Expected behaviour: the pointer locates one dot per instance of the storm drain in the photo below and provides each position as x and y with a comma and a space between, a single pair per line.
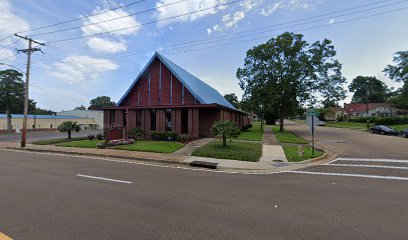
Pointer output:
203, 164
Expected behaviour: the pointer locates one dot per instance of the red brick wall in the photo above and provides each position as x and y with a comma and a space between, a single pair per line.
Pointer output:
193, 122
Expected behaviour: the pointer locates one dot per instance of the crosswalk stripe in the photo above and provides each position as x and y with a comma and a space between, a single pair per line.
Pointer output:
351, 175
365, 165
372, 160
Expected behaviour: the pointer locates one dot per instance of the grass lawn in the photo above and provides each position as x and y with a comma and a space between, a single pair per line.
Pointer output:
400, 127
351, 125
254, 133
287, 137
291, 153
59, 140
81, 143
152, 146
142, 146
234, 150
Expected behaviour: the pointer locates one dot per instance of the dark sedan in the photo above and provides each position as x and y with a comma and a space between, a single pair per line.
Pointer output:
404, 133
383, 130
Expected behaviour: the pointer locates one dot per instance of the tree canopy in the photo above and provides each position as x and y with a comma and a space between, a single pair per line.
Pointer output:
69, 127
286, 72
368, 89
233, 99
399, 73
224, 130
101, 101
82, 107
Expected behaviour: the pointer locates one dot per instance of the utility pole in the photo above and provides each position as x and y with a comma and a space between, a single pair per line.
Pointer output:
28, 51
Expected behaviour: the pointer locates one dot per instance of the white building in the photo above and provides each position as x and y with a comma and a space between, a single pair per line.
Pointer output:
96, 115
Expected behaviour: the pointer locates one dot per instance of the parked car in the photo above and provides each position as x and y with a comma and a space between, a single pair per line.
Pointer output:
321, 123
404, 133
383, 130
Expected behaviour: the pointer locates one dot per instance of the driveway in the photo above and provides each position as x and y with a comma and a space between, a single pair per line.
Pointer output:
354, 143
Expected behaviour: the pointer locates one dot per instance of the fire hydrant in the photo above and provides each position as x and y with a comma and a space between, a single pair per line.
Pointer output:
301, 151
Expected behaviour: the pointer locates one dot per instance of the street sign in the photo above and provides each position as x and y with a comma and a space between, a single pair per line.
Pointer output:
312, 122
312, 112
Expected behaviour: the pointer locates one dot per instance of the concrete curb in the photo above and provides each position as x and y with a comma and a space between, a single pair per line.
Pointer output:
100, 155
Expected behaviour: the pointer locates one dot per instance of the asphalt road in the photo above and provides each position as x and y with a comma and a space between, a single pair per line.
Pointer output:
353, 143
35, 136
43, 197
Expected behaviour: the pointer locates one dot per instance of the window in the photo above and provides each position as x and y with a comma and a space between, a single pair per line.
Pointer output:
168, 119
153, 120
124, 118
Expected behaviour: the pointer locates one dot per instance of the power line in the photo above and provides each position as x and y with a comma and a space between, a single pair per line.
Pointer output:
107, 20
57, 94
257, 30
147, 23
80, 18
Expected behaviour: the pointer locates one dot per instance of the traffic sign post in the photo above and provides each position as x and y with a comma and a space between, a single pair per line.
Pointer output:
312, 121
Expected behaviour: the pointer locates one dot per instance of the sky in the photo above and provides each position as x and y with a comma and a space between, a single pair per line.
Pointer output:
91, 51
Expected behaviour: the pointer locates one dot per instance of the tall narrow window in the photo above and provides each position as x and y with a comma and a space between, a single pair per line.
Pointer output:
153, 120
182, 94
168, 119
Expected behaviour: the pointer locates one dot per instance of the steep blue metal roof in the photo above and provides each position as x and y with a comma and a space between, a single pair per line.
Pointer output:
203, 92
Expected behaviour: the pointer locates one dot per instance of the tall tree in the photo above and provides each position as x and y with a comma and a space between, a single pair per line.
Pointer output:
102, 101
233, 99
11, 93
287, 71
368, 89
82, 107
399, 73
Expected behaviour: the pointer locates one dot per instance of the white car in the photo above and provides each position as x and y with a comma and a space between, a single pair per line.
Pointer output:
321, 123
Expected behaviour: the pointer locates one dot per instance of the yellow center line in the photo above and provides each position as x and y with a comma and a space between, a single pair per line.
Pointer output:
4, 237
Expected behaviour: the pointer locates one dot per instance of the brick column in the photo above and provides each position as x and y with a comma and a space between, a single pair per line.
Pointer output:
145, 122
176, 120
193, 122
161, 120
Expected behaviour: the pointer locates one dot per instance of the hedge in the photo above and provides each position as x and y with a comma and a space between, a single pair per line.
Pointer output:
382, 120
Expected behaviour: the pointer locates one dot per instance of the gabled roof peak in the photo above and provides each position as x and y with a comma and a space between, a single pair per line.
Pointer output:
204, 93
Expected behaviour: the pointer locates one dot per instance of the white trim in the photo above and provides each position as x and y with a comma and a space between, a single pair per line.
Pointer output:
373, 160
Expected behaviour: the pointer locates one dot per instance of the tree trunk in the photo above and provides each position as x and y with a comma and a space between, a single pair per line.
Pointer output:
69, 134
224, 141
9, 126
281, 124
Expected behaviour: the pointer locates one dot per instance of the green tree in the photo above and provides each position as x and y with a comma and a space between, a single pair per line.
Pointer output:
225, 130
368, 89
11, 93
399, 73
69, 127
82, 107
233, 99
102, 101
286, 72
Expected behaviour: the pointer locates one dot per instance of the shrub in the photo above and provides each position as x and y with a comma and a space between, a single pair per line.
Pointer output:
91, 137
244, 128
382, 120
163, 136
182, 137
224, 130
340, 119
102, 145
119, 142
100, 136
136, 134
249, 125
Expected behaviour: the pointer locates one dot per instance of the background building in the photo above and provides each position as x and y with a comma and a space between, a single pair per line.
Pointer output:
43, 122
96, 115
354, 110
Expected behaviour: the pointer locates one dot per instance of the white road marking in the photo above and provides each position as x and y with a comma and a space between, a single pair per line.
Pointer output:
351, 175
372, 160
364, 165
102, 178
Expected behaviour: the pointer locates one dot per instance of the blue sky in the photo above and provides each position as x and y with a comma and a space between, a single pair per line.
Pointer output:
210, 44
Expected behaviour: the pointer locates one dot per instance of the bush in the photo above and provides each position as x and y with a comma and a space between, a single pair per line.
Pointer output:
100, 136
91, 137
340, 119
382, 120
249, 125
164, 136
119, 142
136, 134
102, 145
182, 137
244, 128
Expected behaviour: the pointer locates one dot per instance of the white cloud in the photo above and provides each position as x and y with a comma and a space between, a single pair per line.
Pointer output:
7, 55
105, 45
290, 5
10, 22
184, 8
123, 22
209, 31
80, 69
232, 21
267, 11
332, 21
